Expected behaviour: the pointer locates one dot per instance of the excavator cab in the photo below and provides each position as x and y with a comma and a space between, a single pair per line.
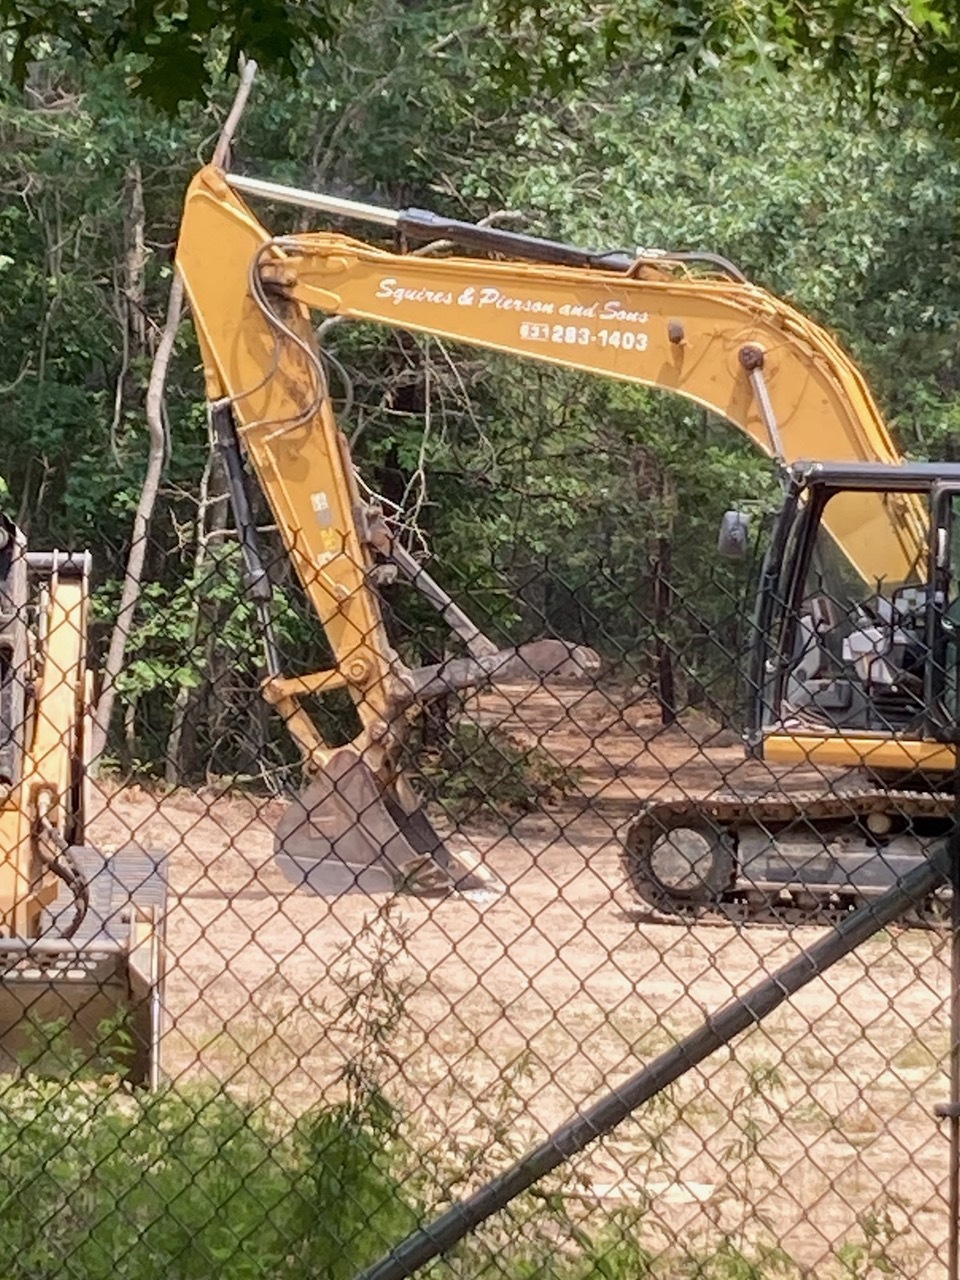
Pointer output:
839, 652
849, 668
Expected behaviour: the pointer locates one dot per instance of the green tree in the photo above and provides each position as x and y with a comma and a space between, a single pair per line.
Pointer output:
177, 50
171, 50
552, 502
875, 53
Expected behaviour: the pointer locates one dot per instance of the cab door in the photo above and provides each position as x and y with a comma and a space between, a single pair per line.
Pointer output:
942, 676
766, 672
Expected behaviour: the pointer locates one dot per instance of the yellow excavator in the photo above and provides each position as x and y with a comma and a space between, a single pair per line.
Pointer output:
81, 932
853, 652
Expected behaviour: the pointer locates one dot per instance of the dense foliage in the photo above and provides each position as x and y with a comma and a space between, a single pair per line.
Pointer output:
553, 503
174, 50
874, 53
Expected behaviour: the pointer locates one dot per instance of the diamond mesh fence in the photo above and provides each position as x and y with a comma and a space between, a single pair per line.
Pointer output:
250, 1035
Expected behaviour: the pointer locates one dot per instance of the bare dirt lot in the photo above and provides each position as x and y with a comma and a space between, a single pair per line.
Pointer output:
815, 1131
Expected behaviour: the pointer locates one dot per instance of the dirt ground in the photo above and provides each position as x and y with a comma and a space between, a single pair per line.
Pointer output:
816, 1130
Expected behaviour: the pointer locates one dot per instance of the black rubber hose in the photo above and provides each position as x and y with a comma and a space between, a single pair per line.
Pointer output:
64, 867
73, 878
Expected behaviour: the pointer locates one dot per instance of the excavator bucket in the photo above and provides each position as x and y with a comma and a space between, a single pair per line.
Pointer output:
346, 834
92, 1002
349, 833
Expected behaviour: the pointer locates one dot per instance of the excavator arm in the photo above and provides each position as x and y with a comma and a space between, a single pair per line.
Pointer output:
715, 339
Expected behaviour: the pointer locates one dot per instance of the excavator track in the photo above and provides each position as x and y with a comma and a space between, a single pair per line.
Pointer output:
784, 860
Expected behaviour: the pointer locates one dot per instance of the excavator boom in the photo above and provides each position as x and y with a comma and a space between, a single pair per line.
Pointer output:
723, 343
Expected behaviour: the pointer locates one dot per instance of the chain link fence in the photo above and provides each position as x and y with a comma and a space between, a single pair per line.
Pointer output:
332, 1074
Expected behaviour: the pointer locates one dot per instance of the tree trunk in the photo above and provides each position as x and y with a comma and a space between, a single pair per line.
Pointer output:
211, 518
141, 525
663, 604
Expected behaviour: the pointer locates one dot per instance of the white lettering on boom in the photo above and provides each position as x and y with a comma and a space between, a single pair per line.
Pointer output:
613, 310
492, 297
398, 293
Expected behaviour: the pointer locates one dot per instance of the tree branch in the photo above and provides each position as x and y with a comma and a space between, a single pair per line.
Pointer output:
133, 577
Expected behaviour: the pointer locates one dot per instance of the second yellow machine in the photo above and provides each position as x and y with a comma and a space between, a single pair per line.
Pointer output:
81, 929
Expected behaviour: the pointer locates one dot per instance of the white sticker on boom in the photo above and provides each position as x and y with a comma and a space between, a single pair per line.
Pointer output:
321, 508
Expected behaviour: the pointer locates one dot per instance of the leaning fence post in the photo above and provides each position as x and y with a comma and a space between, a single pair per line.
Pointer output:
428, 1242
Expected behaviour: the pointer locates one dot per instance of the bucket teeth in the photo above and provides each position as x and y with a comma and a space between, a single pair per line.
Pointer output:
346, 834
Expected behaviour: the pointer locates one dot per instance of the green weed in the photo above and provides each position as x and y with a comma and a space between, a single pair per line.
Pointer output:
485, 772
874, 1253
51, 1049
98, 1183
